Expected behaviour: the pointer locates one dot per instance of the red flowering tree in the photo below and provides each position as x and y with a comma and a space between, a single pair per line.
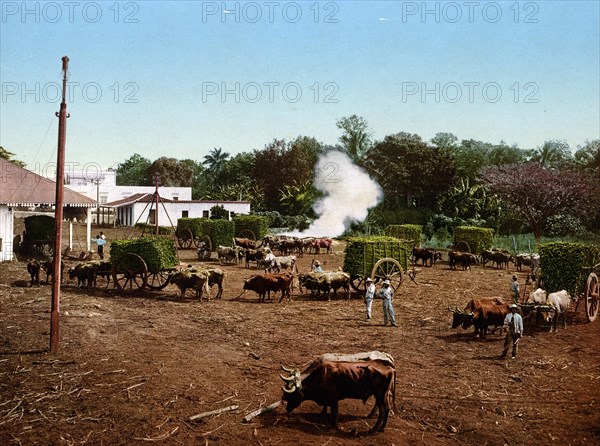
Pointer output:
539, 193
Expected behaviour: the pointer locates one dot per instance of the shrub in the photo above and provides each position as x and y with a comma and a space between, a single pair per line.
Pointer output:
563, 264
406, 232
218, 212
479, 239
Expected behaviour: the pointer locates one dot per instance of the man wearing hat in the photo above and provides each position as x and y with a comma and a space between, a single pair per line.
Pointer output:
317, 267
514, 288
369, 296
387, 294
514, 322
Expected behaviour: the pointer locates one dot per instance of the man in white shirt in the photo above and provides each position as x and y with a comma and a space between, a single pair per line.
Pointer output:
369, 296
514, 322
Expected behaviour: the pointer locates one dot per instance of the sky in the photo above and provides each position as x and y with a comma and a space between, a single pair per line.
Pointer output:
179, 78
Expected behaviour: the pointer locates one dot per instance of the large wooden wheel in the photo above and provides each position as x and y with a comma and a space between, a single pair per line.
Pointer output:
592, 297
158, 280
462, 246
130, 273
185, 238
358, 283
204, 243
388, 269
247, 233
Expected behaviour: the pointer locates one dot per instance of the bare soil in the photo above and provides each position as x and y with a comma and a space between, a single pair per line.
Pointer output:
134, 369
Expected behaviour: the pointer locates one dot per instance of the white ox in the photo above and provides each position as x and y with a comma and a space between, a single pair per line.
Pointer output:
559, 301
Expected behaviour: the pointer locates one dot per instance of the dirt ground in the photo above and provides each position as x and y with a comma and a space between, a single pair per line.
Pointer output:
134, 369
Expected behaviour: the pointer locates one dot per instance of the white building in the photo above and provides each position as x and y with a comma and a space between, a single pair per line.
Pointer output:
101, 185
141, 208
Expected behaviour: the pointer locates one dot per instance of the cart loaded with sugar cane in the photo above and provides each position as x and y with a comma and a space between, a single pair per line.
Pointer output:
143, 262
378, 258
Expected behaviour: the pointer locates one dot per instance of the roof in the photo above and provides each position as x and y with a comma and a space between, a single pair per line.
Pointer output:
22, 187
149, 198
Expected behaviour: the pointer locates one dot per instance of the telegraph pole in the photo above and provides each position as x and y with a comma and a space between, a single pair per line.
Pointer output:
58, 212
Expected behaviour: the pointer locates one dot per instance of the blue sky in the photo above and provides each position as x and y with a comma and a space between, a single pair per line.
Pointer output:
179, 78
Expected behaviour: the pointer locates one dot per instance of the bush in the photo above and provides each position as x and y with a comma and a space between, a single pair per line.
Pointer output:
218, 212
158, 252
362, 253
563, 264
406, 232
479, 239
255, 223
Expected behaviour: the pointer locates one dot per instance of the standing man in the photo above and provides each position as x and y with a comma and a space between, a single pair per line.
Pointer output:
317, 267
387, 294
514, 288
101, 244
514, 322
369, 296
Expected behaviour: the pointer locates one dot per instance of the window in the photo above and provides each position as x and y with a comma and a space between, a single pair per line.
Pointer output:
204, 214
175, 198
103, 198
184, 214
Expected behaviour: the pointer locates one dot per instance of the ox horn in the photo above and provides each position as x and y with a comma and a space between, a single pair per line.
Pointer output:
287, 379
290, 390
285, 369
450, 309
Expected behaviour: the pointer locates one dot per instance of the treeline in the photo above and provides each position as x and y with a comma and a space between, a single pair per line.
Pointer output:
438, 183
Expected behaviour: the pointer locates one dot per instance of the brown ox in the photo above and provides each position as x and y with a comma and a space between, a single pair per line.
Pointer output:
481, 313
425, 255
323, 242
245, 243
263, 285
328, 382
466, 259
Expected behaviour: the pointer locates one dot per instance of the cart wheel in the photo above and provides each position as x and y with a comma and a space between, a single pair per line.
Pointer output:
185, 238
462, 246
388, 269
247, 233
358, 283
130, 273
592, 297
203, 242
158, 280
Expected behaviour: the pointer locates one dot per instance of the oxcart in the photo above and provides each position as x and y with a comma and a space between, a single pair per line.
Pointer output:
591, 292
378, 258
188, 233
143, 262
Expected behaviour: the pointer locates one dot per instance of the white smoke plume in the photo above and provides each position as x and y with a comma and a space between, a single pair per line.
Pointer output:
348, 194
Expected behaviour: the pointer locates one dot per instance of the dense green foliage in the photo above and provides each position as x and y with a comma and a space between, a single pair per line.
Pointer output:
565, 266
158, 253
255, 223
406, 232
39, 227
479, 239
218, 212
362, 253
220, 232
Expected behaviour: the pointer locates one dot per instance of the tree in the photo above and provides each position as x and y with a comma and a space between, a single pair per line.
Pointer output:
552, 154
588, 157
444, 140
538, 193
8, 156
406, 166
172, 172
356, 138
215, 159
298, 199
132, 172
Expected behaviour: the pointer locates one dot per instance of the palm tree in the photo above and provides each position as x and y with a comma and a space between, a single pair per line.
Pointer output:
552, 154
215, 159
356, 139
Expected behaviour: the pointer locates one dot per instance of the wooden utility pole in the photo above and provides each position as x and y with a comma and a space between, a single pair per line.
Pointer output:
58, 212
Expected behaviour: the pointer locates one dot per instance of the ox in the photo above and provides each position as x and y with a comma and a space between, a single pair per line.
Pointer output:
256, 255
323, 242
325, 282
291, 245
481, 313
229, 255
531, 260
85, 274
33, 268
500, 258
48, 268
327, 382
559, 301
244, 243
197, 280
466, 259
263, 285
277, 263
216, 276
425, 255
